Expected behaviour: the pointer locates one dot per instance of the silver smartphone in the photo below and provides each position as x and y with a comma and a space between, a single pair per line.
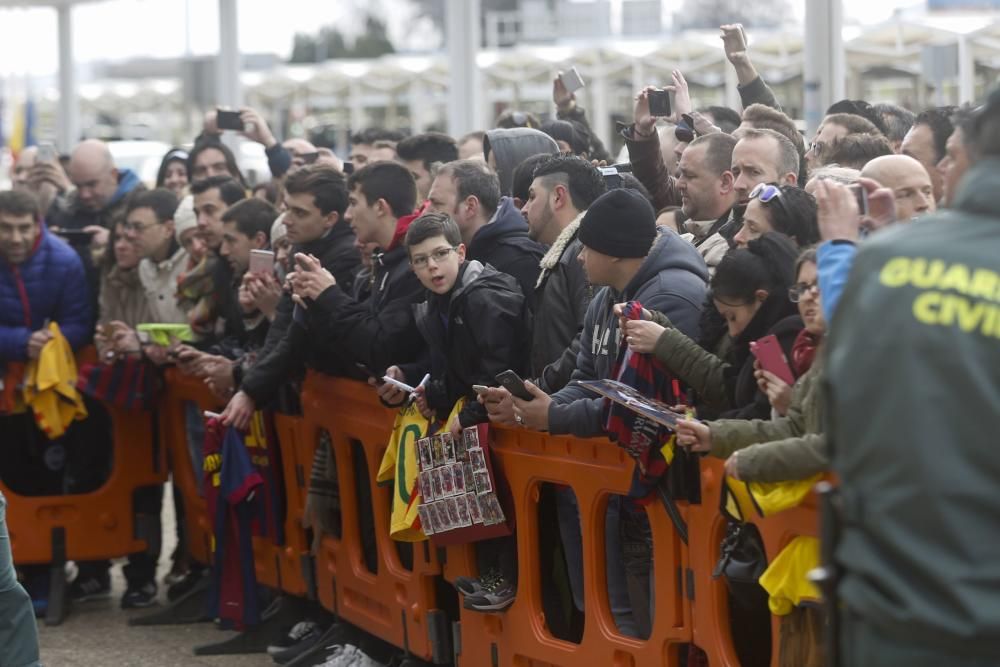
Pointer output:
571, 80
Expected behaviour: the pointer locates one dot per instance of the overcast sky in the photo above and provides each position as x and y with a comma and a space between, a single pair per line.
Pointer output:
123, 29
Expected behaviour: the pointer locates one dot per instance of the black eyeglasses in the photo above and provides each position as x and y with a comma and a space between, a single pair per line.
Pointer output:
798, 290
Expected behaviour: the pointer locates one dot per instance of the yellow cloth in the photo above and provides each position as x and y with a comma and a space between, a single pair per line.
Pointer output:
401, 465
50, 386
764, 498
785, 578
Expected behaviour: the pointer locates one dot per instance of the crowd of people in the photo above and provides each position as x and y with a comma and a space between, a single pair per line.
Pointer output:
525, 248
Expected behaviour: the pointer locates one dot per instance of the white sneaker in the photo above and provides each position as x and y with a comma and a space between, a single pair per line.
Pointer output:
341, 655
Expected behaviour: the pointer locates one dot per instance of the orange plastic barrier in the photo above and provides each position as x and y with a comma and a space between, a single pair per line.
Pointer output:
99, 524
288, 567
595, 469
395, 604
706, 528
180, 389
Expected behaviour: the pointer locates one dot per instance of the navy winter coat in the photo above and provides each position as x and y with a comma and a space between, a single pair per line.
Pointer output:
49, 285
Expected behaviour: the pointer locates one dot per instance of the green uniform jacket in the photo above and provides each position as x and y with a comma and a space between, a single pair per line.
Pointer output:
778, 450
913, 386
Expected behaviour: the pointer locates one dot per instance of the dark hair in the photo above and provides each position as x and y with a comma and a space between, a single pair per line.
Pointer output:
229, 190
430, 225
161, 201
725, 118
583, 181
788, 158
252, 216
939, 120
173, 155
429, 148
511, 118
794, 215
982, 132
765, 264
856, 150
205, 144
630, 182
325, 184
807, 256
853, 123
524, 174
390, 181
372, 134
897, 120
474, 178
19, 202
718, 151
269, 189
564, 130
858, 108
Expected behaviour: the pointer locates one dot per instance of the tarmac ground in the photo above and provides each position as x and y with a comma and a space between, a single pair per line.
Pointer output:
97, 634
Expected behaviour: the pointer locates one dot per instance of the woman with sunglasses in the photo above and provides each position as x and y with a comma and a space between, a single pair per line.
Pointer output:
750, 291
786, 209
791, 447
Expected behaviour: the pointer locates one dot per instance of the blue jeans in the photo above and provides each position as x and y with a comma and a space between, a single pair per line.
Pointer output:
18, 632
618, 591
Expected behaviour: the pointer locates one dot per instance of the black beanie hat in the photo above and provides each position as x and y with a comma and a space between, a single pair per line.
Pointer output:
620, 223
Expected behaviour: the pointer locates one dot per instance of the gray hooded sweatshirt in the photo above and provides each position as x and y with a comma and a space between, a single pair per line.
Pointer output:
512, 147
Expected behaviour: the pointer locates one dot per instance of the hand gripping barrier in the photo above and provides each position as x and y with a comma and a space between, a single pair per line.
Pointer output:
180, 390
595, 469
95, 525
395, 604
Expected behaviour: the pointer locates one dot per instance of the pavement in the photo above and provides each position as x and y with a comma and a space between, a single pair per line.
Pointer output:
97, 634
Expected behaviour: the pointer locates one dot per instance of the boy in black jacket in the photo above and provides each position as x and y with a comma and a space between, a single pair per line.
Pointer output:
474, 321
476, 325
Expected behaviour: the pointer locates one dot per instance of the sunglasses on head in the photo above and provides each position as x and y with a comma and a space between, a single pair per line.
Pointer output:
768, 192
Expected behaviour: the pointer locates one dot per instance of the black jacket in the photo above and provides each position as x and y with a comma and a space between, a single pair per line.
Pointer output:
561, 300
379, 331
479, 329
288, 348
504, 245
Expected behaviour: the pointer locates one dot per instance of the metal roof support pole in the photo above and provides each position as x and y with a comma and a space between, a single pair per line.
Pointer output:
824, 53
69, 108
966, 71
601, 119
464, 93
228, 63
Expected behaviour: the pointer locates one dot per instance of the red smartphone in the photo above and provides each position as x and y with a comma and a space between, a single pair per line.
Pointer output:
772, 358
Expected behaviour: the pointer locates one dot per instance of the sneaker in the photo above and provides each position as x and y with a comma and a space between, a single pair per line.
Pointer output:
347, 655
475, 585
496, 597
301, 632
178, 571
90, 588
138, 597
187, 583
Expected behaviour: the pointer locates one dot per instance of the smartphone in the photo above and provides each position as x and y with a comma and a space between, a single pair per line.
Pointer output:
397, 384
861, 196
261, 261
772, 358
659, 103
348, 168
571, 80
47, 152
513, 383
75, 235
228, 120
480, 389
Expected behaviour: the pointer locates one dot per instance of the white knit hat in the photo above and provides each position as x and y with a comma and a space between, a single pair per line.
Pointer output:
184, 217
278, 229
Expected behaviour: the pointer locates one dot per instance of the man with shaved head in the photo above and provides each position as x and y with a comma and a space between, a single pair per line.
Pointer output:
909, 181
86, 217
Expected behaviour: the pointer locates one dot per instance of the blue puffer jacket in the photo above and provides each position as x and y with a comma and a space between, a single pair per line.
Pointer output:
49, 285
